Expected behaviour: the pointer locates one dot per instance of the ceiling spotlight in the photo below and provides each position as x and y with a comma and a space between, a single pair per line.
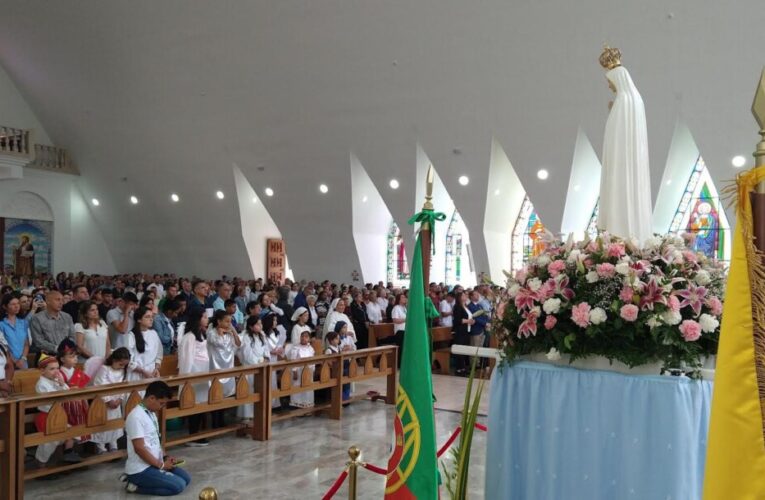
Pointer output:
134, 200
393, 184
220, 195
496, 192
669, 182
463, 180
577, 187
175, 198
364, 199
542, 174
323, 188
95, 202
254, 199
738, 161
269, 192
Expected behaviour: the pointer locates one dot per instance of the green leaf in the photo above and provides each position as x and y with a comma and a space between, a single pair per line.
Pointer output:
568, 339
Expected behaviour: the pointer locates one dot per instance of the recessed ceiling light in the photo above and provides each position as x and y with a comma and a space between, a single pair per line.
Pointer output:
496, 192
134, 200
95, 202
364, 200
542, 174
738, 161
220, 195
669, 182
269, 192
254, 199
175, 198
463, 180
577, 187
323, 188
393, 184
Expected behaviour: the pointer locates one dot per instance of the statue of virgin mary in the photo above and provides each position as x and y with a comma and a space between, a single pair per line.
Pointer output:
625, 182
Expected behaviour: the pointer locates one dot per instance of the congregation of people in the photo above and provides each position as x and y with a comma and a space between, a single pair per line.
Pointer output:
98, 330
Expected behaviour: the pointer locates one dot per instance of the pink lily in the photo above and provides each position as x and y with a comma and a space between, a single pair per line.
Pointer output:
562, 289
652, 294
692, 296
529, 325
525, 299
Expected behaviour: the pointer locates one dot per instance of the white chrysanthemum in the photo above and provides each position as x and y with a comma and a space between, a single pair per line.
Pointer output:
671, 318
513, 290
597, 316
543, 260
653, 322
708, 323
553, 354
534, 284
622, 268
702, 278
573, 256
592, 277
551, 306
652, 243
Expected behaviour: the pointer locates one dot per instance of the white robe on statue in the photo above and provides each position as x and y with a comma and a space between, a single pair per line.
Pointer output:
625, 184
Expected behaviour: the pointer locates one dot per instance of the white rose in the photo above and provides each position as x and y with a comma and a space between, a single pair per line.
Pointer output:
653, 322
708, 323
592, 277
622, 268
573, 256
677, 257
652, 243
667, 288
534, 284
513, 290
553, 354
671, 318
551, 306
678, 241
543, 260
703, 278
597, 316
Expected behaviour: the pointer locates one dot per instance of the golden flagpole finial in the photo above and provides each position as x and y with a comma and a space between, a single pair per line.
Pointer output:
758, 110
429, 189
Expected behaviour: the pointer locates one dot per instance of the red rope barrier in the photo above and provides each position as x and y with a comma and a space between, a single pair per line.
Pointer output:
481, 427
375, 469
449, 442
336, 486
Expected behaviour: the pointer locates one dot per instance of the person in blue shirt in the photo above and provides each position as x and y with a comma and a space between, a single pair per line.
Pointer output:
15, 331
163, 325
477, 330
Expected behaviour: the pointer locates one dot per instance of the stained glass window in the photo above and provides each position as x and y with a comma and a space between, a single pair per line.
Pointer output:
592, 226
701, 214
398, 268
527, 236
454, 248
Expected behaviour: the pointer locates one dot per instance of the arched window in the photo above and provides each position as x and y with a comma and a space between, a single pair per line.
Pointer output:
456, 234
526, 240
398, 268
701, 214
592, 226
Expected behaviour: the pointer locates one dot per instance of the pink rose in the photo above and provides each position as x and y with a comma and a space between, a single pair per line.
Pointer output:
550, 322
580, 314
556, 267
588, 263
615, 250
691, 330
673, 303
592, 246
714, 305
626, 294
605, 270
629, 312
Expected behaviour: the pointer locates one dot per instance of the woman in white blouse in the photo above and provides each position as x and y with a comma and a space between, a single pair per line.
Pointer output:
398, 315
194, 358
91, 333
337, 313
374, 312
144, 346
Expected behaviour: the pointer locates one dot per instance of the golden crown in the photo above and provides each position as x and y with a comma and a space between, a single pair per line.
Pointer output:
610, 58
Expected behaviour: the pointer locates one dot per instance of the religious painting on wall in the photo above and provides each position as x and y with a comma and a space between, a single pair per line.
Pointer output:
526, 240
397, 266
27, 246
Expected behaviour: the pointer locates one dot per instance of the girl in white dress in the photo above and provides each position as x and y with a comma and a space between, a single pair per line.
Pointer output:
345, 343
275, 348
300, 318
253, 351
301, 351
91, 333
222, 344
194, 358
113, 371
144, 346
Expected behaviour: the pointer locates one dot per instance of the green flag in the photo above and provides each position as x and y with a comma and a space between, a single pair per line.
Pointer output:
413, 464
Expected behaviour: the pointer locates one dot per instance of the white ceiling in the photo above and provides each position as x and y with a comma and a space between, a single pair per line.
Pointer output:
170, 94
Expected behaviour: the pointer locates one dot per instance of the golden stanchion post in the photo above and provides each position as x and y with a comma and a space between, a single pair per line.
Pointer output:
208, 493
353, 466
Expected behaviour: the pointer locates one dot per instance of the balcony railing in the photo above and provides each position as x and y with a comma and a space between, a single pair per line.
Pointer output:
53, 159
14, 141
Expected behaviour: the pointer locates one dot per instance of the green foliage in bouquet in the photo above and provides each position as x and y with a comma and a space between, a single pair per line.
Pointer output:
607, 297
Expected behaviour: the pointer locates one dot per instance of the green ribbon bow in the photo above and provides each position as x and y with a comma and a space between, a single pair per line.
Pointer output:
430, 217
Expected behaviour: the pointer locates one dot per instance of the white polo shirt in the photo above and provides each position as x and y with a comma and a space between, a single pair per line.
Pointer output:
141, 423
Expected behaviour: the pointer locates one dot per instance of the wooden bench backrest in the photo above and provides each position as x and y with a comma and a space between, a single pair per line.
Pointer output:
24, 381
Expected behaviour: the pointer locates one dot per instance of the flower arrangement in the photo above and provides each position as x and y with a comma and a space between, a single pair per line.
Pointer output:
607, 297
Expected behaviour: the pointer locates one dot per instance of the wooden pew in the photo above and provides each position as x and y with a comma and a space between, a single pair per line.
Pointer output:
379, 333
442, 341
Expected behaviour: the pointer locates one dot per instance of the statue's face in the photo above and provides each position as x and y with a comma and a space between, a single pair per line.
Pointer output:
25, 239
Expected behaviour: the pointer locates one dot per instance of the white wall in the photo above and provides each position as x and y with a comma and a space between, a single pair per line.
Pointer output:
583, 188
14, 111
371, 222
